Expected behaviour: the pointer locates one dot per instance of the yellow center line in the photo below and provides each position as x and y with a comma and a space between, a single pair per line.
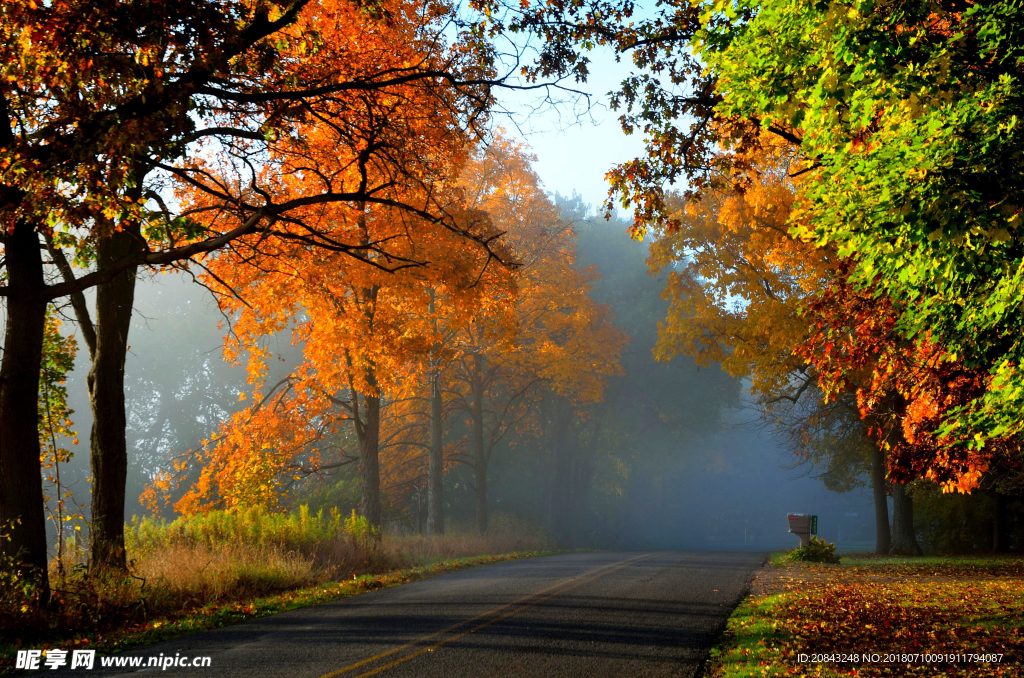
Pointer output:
561, 586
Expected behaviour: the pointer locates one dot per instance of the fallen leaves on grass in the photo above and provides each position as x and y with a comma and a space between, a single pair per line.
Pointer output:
970, 609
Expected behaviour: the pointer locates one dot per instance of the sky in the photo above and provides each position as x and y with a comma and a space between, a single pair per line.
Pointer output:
575, 148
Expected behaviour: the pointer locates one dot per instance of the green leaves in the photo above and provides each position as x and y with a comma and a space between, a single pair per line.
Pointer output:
911, 114
174, 230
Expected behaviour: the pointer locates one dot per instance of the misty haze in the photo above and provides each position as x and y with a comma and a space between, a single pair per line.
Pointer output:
493, 338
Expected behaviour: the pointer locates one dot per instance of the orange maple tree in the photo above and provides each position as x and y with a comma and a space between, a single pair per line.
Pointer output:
365, 338
374, 330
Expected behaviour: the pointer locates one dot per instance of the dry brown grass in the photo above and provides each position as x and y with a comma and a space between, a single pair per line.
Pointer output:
175, 574
185, 574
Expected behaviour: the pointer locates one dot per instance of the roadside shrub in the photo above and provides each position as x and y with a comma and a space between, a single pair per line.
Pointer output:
255, 526
19, 598
358, 529
818, 551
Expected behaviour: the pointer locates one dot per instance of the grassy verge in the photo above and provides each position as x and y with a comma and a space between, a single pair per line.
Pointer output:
872, 616
207, 571
206, 617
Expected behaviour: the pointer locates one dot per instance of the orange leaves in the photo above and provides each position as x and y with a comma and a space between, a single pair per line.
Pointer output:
904, 388
917, 617
366, 325
735, 276
746, 294
542, 331
419, 297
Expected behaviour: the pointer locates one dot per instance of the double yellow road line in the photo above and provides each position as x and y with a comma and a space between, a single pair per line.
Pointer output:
431, 642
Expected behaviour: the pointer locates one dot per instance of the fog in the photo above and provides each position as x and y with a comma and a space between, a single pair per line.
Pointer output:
672, 458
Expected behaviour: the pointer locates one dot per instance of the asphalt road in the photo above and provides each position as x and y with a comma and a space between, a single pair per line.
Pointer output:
585, 614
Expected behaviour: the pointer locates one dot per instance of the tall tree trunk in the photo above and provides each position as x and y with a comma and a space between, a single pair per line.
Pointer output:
367, 421
435, 464
883, 540
435, 460
369, 460
107, 445
560, 498
1000, 533
904, 540
21, 484
479, 450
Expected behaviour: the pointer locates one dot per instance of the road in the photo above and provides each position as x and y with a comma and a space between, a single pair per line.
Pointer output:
583, 614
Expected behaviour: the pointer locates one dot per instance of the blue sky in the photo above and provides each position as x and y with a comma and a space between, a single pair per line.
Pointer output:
575, 149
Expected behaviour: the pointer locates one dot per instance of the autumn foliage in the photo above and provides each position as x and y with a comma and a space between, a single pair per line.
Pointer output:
904, 388
736, 279
500, 323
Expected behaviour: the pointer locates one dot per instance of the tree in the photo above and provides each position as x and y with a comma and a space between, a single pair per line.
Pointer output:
904, 390
435, 464
55, 423
93, 94
907, 113
107, 343
738, 288
736, 279
364, 331
548, 335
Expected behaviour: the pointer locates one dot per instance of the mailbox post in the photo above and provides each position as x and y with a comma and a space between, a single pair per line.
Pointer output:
803, 525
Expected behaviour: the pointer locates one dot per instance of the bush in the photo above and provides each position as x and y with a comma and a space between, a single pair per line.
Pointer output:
818, 551
254, 526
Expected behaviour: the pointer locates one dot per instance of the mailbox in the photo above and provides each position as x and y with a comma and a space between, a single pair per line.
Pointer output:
803, 525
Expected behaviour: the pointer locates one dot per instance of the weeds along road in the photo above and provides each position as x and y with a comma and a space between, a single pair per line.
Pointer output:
583, 614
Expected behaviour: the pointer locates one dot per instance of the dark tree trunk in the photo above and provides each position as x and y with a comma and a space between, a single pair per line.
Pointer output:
369, 460
904, 540
883, 540
479, 450
435, 464
1000, 533
421, 513
107, 445
367, 418
21, 485
561, 497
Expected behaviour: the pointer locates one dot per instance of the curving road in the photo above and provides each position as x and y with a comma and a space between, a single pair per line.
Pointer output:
584, 614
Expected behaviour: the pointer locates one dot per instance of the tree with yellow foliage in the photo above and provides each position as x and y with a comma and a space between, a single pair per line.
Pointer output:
738, 288
548, 336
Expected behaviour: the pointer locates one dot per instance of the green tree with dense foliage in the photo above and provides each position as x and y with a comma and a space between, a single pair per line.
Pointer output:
908, 117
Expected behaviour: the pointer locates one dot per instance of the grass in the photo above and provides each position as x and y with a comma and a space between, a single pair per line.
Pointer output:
878, 606
200, 573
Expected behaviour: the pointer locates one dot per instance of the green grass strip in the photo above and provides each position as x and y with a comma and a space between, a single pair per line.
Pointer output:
751, 641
